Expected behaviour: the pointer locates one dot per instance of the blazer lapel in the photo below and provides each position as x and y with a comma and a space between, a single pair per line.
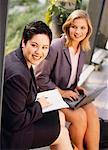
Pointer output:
34, 80
66, 52
81, 61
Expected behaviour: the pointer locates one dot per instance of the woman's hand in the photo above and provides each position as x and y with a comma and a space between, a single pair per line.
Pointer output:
44, 102
79, 88
68, 94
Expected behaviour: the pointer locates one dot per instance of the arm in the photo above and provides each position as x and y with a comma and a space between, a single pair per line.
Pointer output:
19, 114
51, 70
43, 71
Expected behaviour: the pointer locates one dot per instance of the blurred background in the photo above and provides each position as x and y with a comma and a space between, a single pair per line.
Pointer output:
54, 13
15, 14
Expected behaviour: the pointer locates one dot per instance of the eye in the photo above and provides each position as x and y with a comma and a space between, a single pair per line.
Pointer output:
34, 45
74, 27
45, 47
83, 28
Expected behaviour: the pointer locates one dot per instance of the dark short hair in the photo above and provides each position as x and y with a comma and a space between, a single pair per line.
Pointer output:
36, 27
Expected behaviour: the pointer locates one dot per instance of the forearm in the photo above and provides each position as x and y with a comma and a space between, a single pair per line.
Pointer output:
61, 91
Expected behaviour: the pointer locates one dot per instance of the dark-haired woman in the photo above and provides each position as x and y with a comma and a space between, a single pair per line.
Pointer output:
24, 126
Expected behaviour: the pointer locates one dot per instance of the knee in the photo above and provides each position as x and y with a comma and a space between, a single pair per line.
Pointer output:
91, 110
80, 118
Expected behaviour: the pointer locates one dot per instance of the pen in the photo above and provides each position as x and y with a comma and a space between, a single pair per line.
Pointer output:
46, 97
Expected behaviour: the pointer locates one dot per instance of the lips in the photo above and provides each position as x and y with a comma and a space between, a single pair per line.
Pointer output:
77, 36
36, 57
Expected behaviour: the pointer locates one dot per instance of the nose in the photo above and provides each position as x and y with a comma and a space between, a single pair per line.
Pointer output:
78, 30
37, 49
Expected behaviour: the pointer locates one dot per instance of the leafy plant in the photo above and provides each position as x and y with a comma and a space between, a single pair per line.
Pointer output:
57, 9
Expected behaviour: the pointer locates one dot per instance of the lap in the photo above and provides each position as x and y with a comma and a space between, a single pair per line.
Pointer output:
74, 115
46, 130
89, 106
82, 112
39, 134
90, 110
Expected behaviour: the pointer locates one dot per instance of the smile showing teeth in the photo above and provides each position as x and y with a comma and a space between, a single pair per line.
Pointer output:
36, 57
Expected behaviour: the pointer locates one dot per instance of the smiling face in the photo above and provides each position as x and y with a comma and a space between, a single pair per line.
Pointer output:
36, 49
78, 30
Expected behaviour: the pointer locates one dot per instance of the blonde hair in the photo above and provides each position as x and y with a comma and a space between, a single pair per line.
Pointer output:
85, 44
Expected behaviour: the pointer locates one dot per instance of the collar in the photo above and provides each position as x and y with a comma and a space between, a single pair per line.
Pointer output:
20, 55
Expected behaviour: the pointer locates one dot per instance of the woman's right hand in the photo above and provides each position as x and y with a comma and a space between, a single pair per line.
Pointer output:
44, 102
69, 94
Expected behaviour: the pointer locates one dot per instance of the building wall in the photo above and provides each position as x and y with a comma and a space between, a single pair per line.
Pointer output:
103, 29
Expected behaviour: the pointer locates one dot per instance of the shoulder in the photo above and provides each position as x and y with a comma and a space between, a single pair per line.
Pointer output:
83, 52
58, 42
14, 66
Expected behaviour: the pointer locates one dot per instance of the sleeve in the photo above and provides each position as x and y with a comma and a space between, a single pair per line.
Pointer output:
44, 69
19, 114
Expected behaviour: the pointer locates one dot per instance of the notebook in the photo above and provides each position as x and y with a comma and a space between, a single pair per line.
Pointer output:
54, 98
84, 98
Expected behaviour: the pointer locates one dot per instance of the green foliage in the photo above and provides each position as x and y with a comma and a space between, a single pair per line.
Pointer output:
58, 10
18, 20
21, 2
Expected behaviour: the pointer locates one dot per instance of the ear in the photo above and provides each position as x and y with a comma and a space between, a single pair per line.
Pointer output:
23, 44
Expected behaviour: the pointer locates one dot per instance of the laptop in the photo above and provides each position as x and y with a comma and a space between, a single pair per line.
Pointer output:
84, 98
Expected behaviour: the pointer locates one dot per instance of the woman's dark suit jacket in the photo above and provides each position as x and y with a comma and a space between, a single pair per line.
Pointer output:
23, 124
55, 70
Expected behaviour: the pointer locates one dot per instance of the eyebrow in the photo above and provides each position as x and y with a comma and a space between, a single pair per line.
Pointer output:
37, 43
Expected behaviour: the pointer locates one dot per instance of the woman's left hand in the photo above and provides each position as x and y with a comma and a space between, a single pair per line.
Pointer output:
78, 88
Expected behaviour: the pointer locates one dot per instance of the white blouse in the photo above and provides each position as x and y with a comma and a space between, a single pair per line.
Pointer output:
74, 63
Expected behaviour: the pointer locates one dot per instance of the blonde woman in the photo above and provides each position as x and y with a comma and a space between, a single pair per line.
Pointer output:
61, 69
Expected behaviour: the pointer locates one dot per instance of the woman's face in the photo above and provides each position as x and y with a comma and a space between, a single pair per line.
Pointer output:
36, 49
78, 29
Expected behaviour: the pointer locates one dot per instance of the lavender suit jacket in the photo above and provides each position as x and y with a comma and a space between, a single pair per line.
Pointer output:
55, 70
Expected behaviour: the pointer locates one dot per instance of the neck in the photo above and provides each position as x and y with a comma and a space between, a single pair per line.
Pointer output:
75, 46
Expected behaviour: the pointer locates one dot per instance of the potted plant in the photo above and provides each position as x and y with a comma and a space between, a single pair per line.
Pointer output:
57, 13
56, 8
